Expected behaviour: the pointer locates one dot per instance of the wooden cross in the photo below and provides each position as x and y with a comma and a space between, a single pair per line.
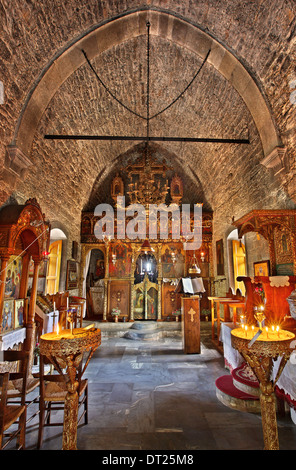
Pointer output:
191, 313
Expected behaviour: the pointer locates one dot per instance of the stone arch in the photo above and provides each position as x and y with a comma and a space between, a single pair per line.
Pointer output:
131, 25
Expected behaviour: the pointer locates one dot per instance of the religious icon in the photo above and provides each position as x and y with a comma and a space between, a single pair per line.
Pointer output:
13, 277
262, 268
19, 310
8, 316
100, 269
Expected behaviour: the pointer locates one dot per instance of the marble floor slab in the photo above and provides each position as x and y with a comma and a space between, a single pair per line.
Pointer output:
149, 395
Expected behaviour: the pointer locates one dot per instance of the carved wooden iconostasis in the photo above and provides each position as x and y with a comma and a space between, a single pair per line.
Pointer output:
138, 277
278, 227
24, 241
276, 275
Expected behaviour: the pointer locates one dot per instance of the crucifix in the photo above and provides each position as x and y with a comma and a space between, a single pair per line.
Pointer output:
148, 117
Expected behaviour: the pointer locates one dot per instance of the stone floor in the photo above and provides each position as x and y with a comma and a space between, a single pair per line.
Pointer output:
149, 395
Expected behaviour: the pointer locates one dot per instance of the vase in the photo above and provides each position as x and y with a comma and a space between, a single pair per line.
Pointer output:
177, 318
115, 318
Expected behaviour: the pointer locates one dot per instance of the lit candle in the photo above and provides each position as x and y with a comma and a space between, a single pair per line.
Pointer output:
246, 329
67, 303
266, 331
278, 330
54, 306
58, 330
253, 327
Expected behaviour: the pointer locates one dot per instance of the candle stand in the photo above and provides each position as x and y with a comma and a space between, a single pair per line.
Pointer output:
65, 351
260, 355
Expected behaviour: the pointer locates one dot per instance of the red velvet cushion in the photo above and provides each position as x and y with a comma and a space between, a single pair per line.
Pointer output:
225, 385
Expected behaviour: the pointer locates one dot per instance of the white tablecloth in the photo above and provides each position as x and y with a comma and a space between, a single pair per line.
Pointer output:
12, 338
287, 380
232, 357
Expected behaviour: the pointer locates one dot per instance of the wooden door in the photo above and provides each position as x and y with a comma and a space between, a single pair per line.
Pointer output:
53, 267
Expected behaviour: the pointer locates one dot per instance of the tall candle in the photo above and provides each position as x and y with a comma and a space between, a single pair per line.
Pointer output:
67, 303
54, 306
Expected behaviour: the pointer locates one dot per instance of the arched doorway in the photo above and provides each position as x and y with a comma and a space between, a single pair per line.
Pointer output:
54, 260
237, 260
95, 292
146, 287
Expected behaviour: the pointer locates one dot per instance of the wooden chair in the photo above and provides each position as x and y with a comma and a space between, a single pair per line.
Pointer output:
15, 394
52, 397
12, 413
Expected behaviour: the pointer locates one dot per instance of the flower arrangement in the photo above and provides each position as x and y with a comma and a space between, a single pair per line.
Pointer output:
260, 291
37, 350
115, 311
176, 312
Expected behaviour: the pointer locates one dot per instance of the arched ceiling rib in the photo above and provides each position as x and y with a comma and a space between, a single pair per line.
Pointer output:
133, 25
210, 107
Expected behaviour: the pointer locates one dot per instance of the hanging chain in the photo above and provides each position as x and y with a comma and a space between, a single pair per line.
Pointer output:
148, 76
147, 117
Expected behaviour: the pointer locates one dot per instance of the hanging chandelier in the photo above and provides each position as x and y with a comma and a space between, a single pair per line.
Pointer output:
147, 189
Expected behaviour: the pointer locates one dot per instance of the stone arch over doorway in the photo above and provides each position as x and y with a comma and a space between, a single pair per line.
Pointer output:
130, 25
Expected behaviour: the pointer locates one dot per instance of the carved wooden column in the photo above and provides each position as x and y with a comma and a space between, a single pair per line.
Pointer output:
105, 300
293, 244
133, 268
272, 257
25, 275
4, 263
131, 319
159, 280
106, 291
31, 314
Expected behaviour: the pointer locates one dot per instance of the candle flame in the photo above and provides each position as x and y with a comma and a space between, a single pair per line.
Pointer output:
58, 329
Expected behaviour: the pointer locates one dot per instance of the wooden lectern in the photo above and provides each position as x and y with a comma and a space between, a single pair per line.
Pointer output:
191, 324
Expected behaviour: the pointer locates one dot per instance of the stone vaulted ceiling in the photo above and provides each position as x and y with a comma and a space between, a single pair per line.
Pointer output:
69, 176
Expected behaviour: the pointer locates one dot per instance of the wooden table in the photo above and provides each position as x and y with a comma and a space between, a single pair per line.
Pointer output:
216, 300
228, 303
65, 351
234, 304
260, 356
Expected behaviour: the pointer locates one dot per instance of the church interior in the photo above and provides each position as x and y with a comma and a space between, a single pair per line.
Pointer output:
148, 225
